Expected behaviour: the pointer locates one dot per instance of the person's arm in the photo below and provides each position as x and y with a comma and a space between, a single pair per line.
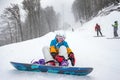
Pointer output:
95, 28
70, 54
52, 47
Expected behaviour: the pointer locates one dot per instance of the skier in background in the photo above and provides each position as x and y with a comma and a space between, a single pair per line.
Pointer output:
98, 30
58, 51
115, 28
72, 29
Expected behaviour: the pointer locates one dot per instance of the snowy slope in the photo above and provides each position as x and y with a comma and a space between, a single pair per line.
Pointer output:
100, 53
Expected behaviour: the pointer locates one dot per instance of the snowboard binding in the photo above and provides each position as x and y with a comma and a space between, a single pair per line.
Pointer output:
40, 62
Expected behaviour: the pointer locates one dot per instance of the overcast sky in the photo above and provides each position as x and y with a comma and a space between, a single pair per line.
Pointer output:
62, 6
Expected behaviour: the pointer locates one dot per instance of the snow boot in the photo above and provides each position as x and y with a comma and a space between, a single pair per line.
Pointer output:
64, 63
40, 62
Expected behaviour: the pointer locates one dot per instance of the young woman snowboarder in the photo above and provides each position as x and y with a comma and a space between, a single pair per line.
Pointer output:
58, 52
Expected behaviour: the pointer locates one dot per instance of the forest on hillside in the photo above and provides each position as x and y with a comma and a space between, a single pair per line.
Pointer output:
84, 10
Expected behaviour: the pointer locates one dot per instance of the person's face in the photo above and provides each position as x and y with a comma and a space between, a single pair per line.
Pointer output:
60, 38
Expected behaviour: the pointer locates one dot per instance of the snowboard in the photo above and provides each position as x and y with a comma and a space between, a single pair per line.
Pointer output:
99, 36
80, 71
113, 38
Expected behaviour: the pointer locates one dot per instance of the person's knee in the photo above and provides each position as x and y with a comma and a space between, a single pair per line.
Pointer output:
63, 51
62, 47
45, 48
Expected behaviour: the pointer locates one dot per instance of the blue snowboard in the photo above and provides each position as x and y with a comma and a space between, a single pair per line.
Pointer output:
52, 69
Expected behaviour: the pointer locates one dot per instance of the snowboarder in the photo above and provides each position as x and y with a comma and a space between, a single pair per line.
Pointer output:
115, 28
98, 29
58, 51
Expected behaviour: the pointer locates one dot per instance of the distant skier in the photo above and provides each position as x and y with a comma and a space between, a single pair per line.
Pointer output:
115, 28
98, 29
72, 29
58, 51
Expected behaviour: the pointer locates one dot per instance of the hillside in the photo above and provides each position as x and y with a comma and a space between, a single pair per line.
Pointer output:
98, 52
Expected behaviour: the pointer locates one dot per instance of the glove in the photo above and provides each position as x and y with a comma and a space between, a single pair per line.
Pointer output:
57, 57
72, 58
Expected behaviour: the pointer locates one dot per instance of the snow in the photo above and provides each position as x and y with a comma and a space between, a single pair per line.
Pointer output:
98, 52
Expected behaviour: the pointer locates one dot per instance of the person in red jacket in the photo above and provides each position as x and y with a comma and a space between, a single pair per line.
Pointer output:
98, 29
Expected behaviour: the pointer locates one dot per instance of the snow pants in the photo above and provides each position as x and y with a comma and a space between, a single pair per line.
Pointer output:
115, 32
99, 31
48, 56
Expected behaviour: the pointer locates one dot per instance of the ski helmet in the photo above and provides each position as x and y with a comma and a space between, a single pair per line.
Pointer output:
115, 21
60, 34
